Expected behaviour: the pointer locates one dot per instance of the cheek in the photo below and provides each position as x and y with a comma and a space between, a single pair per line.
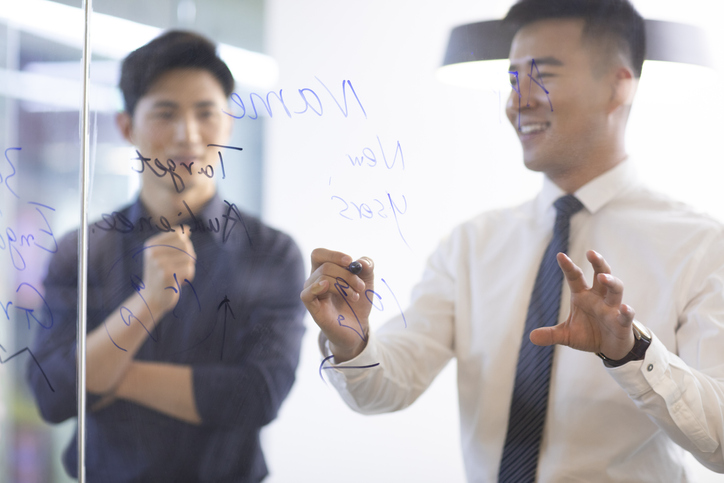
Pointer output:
153, 136
511, 108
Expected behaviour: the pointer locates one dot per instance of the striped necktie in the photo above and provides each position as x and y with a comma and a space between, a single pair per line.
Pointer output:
530, 392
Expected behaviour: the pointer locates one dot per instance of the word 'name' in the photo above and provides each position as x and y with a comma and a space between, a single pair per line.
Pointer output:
310, 99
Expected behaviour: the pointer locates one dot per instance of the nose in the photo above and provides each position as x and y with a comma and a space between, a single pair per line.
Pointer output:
187, 130
521, 97
526, 93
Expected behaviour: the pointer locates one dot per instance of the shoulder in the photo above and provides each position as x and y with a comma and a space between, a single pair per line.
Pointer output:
487, 234
659, 213
493, 224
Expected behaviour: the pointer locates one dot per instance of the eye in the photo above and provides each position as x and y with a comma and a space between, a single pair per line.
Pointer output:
205, 114
543, 75
164, 115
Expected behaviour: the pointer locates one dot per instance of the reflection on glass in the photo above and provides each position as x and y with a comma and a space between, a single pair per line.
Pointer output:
39, 139
194, 315
194, 319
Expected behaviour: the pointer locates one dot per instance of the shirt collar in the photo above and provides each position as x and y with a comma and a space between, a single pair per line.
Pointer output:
596, 193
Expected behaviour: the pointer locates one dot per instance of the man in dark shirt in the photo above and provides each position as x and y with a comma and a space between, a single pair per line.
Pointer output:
194, 318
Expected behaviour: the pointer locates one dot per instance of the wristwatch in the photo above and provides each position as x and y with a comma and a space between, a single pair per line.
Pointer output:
642, 341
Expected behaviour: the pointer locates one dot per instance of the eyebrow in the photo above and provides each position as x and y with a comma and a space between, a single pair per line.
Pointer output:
549, 60
174, 105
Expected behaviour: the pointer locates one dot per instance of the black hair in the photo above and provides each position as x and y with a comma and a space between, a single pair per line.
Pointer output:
615, 20
175, 49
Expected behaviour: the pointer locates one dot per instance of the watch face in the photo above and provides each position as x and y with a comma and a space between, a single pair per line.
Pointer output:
641, 331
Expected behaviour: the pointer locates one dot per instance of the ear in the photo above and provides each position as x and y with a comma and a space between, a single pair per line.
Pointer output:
125, 125
623, 88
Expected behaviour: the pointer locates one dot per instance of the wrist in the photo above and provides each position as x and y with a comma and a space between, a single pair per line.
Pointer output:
345, 354
151, 307
642, 341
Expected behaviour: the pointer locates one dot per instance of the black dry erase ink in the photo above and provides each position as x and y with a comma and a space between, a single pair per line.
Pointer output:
355, 267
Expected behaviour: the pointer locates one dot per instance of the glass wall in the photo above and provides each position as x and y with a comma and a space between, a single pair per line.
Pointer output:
39, 192
342, 137
40, 97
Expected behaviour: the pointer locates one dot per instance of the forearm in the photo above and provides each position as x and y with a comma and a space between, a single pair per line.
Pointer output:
166, 388
381, 379
112, 346
684, 403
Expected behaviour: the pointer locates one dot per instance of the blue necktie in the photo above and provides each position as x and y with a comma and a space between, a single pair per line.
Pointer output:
530, 392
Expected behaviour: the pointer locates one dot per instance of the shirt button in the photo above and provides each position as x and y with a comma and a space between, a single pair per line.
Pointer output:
650, 368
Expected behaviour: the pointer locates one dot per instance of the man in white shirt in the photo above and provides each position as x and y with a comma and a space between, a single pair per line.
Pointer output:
659, 390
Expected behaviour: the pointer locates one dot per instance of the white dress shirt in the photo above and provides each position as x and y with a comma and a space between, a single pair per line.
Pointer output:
631, 423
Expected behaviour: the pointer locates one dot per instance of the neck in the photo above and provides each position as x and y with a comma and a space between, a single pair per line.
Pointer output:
598, 159
169, 204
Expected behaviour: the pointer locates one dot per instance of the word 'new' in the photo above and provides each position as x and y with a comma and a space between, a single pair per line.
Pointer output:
369, 158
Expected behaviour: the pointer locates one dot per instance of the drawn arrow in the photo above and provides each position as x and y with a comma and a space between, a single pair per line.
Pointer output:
3, 361
226, 303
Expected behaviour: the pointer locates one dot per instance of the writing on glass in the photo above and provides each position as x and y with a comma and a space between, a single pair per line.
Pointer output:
537, 81
21, 247
375, 299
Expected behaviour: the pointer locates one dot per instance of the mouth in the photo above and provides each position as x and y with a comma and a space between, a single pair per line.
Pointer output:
533, 128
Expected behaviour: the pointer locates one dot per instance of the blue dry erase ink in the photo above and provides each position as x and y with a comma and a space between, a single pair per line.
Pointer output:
355, 267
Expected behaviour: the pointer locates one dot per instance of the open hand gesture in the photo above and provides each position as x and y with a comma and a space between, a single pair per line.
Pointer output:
598, 321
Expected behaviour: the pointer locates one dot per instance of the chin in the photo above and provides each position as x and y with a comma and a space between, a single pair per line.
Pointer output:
534, 163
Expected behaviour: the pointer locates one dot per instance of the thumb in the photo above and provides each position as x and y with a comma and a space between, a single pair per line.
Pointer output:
545, 336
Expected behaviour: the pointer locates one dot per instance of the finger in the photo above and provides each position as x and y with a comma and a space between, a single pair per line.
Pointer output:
368, 271
545, 336
613, 289
310, 296
626, 315
573, 274
183, 229
599, 265
321, 256
175, 240
337, 275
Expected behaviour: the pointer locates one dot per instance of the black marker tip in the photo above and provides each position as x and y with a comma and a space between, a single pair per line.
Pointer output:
355, 267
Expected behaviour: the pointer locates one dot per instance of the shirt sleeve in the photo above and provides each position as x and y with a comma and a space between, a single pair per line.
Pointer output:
684, 394
51, 372
403, 357
249, 387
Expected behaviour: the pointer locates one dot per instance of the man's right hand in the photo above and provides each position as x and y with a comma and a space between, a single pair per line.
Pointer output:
338, 301
128, 327
168, 260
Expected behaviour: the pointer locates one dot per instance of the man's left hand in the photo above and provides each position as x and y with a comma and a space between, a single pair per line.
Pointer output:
598, 321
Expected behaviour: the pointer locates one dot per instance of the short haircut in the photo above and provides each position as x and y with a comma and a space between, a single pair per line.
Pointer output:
605, 21
175, 49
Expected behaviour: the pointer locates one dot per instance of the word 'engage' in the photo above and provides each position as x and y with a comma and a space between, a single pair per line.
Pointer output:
16, 242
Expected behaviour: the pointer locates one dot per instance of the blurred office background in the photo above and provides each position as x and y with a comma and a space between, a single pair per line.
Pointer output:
299, 170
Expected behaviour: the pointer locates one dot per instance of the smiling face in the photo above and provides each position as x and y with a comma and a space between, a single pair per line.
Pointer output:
570, 133
176, 119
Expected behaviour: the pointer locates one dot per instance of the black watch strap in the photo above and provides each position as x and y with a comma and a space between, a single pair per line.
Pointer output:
642, 341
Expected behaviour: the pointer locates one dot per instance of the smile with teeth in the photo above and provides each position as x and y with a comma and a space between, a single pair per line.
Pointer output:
533, 128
